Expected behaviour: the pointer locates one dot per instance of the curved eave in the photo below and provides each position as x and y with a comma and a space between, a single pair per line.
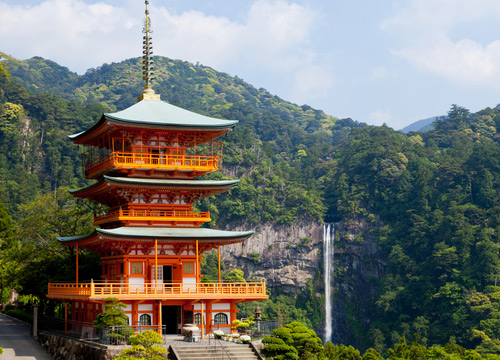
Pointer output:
163, 235
155, 183
157, 115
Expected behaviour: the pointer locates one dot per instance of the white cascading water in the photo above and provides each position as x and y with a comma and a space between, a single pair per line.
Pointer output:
328, 254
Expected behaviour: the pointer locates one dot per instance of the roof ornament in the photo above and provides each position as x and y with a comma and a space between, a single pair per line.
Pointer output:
147, 60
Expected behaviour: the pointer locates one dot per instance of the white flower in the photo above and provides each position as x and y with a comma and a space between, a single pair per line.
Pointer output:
245, 338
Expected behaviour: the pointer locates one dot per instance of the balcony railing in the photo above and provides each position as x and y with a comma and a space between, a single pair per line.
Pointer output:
126, 160
165, 291
143, 215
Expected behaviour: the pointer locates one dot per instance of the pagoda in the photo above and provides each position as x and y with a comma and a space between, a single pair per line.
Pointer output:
145, 161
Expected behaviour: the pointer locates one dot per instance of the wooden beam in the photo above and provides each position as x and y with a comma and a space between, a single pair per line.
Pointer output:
218, 255
197, 263
77, 263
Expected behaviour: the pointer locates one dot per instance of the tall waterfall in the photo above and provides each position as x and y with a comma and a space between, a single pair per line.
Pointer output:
328, 254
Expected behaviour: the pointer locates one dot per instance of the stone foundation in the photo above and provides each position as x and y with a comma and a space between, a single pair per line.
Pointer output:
63, 348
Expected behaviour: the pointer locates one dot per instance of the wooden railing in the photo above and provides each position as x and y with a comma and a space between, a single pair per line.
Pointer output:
93, 290
129, 160
154, 215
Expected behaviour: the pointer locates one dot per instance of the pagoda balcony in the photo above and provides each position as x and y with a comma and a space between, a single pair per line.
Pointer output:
241, 291
197, 165
146, 216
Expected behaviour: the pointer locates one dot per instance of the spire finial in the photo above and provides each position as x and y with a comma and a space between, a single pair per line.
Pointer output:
147, 60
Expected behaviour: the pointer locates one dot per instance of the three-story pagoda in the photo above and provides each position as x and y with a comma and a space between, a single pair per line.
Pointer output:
145, 160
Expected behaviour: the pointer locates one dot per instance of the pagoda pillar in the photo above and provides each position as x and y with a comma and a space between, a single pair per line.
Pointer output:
218, 256
160, 330
135, 310
65, 318
76, 263
209, 318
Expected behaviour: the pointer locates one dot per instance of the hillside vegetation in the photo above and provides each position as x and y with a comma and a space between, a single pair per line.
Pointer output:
432, 198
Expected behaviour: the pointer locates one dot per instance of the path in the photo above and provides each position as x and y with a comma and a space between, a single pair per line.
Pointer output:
17, 343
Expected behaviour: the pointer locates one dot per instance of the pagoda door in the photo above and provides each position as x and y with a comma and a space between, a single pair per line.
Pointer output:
157, 280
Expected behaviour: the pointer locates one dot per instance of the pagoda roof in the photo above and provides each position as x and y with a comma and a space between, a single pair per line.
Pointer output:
164, 183
162, 234
159, 114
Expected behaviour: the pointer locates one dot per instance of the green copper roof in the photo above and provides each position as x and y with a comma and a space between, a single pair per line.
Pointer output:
160, 182
172, 182
163, 233
156, 112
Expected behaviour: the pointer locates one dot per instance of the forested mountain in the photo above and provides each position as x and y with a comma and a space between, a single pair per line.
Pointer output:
430, 199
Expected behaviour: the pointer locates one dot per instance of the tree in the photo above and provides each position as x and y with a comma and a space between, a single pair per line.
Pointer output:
113, 316
144, 346
278, 348
294, 341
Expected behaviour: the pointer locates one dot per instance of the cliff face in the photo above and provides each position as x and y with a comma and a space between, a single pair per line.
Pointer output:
287, 256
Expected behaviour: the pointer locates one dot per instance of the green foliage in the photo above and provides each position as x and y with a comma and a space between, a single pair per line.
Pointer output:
20, 314
113, 314
242, 325
294, 341
235, 275
144, 346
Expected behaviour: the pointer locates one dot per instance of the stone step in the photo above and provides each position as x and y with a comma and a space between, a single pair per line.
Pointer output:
219, 351
205, 352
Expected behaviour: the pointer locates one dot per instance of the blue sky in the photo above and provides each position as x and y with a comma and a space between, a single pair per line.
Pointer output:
385, 61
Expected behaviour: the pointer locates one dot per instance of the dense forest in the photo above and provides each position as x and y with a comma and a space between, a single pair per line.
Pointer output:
432, 198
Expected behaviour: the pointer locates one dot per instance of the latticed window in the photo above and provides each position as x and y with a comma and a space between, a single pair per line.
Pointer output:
221, 319
197, 318
145, 319
136, 268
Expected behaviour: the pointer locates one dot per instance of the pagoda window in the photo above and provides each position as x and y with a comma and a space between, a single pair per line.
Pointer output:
145, 319
188, 268
136, 268
197, 318
221, 319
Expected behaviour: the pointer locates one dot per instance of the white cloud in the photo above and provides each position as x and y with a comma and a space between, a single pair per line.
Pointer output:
68, 31
433, 41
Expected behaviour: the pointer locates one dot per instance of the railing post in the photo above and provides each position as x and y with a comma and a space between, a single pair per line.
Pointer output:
92, 289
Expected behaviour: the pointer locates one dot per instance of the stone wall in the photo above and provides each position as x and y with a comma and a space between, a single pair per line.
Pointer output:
63, 348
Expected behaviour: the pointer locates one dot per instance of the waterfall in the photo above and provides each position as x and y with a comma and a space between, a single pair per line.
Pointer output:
328, 254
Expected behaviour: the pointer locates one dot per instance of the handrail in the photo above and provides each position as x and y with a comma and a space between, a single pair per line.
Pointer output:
141, 160
222, 347
158, 215
163, 290
158, 161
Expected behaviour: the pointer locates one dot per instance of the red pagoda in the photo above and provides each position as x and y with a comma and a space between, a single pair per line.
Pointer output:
145, 160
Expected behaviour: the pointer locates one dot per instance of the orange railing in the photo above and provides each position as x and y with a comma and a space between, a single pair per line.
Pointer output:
93, 290
154, 215
203, 163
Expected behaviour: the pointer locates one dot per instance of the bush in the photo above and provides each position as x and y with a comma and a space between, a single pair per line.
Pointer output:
144, 346
20, 314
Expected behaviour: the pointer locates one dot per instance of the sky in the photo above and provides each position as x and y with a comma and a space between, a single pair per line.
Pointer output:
384, 61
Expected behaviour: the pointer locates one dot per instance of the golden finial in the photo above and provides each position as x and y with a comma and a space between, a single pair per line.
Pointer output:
147, 60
